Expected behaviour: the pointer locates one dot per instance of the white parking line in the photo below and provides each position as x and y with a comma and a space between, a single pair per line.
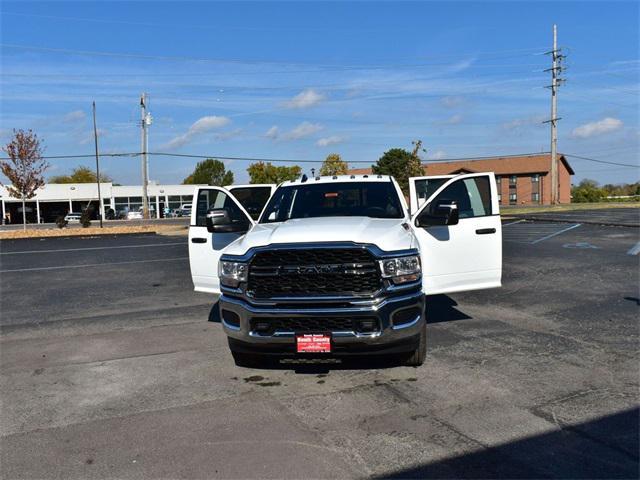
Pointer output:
512, 223
556, 233
93, 265
635, 250
532, 232
95, 248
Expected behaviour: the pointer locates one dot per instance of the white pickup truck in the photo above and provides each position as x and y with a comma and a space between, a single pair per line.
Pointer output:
340, 264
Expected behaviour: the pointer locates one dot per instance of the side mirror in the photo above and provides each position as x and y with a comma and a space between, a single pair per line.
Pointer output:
443, 212
219, 220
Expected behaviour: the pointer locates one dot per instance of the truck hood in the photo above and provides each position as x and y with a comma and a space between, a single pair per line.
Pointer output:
387, 234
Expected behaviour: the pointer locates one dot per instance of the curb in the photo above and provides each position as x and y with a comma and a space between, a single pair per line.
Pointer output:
66, 237
584, 222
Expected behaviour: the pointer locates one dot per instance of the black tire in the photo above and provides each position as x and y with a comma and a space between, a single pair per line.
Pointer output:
418, 356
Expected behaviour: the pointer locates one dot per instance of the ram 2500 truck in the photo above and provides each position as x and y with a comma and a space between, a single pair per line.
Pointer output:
339, 264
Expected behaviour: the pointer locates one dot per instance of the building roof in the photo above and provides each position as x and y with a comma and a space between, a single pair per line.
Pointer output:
502, 165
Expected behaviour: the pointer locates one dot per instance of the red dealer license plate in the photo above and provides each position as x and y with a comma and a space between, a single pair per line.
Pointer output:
313, 343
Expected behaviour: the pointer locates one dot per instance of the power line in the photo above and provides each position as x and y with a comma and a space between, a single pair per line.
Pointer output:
324, 67
293, 160
600, 161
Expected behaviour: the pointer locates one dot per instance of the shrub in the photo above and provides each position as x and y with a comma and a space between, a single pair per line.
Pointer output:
61, 222
85, 218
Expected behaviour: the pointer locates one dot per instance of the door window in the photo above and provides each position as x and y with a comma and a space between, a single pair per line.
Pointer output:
425, 187
472, 195
253, 199
208, 199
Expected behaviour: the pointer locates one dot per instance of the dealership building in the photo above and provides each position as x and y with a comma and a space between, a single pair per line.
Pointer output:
57, 199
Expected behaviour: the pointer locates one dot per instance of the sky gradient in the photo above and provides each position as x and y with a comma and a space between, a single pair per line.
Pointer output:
302, 80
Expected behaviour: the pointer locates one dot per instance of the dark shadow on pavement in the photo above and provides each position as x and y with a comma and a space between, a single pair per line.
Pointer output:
214, 314
440, 308
602, 448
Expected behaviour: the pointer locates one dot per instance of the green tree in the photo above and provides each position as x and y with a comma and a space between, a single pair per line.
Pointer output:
79, 175
261, 172
401, 165
210, 172
24, 168
587, 191
334, 165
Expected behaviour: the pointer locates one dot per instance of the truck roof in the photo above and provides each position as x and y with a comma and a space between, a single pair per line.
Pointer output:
337, 178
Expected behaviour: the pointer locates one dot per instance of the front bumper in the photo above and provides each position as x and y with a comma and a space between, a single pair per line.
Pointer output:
388, 337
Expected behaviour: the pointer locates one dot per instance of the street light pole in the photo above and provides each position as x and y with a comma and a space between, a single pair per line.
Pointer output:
95, 137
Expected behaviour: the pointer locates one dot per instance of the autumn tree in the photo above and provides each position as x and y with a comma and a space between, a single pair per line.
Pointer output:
401, 165
80, 175
210, 172
24, 168
261, 172
334, 165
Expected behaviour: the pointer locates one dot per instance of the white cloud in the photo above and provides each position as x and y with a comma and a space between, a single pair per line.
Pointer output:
518, 123
273, 133
84, 139
452, 101
332, 140
75, 116
303, 130
197, 128
592, 129
454, 119
437, 155
305, 99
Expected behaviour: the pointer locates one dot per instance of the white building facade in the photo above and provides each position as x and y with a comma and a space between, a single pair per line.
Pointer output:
54, 200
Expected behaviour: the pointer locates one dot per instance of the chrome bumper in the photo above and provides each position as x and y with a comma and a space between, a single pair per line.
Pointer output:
383, 310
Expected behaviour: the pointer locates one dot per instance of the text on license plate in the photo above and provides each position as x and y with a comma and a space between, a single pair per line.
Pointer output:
313, 343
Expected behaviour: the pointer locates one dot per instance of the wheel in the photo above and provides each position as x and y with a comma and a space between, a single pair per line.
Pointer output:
417, 357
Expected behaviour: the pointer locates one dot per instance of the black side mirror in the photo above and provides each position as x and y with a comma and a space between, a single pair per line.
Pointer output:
219, 220
442, 212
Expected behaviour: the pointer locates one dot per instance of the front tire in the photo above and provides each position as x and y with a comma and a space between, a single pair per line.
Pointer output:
418, 356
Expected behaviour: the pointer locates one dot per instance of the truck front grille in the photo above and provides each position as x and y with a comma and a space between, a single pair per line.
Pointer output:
313, 273
268, 326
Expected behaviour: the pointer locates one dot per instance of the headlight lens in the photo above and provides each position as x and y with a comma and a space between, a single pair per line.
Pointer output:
401, 269
232, 273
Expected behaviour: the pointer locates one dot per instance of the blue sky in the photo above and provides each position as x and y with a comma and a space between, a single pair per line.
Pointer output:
300, 80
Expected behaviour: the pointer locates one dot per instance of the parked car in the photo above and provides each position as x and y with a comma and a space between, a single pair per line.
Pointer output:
184, 210
340, 265
73, 217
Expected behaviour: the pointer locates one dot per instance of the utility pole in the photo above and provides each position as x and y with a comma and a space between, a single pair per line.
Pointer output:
145, 121
556, 81
95, 137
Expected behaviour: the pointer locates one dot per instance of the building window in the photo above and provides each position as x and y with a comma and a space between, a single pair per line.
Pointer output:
499, 187
535, 178
535, 197
513, 199
513, 180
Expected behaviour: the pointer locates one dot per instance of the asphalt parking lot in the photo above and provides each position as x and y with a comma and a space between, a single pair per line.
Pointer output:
619, 216
110, 368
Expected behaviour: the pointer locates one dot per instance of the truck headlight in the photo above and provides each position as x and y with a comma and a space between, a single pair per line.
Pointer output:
232, 273
401, 269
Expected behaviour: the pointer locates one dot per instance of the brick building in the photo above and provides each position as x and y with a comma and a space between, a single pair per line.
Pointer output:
522, 179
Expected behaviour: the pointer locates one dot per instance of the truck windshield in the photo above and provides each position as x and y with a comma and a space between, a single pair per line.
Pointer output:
348, 199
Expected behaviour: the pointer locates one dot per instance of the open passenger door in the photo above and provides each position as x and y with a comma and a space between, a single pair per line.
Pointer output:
205, 248
459, 231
